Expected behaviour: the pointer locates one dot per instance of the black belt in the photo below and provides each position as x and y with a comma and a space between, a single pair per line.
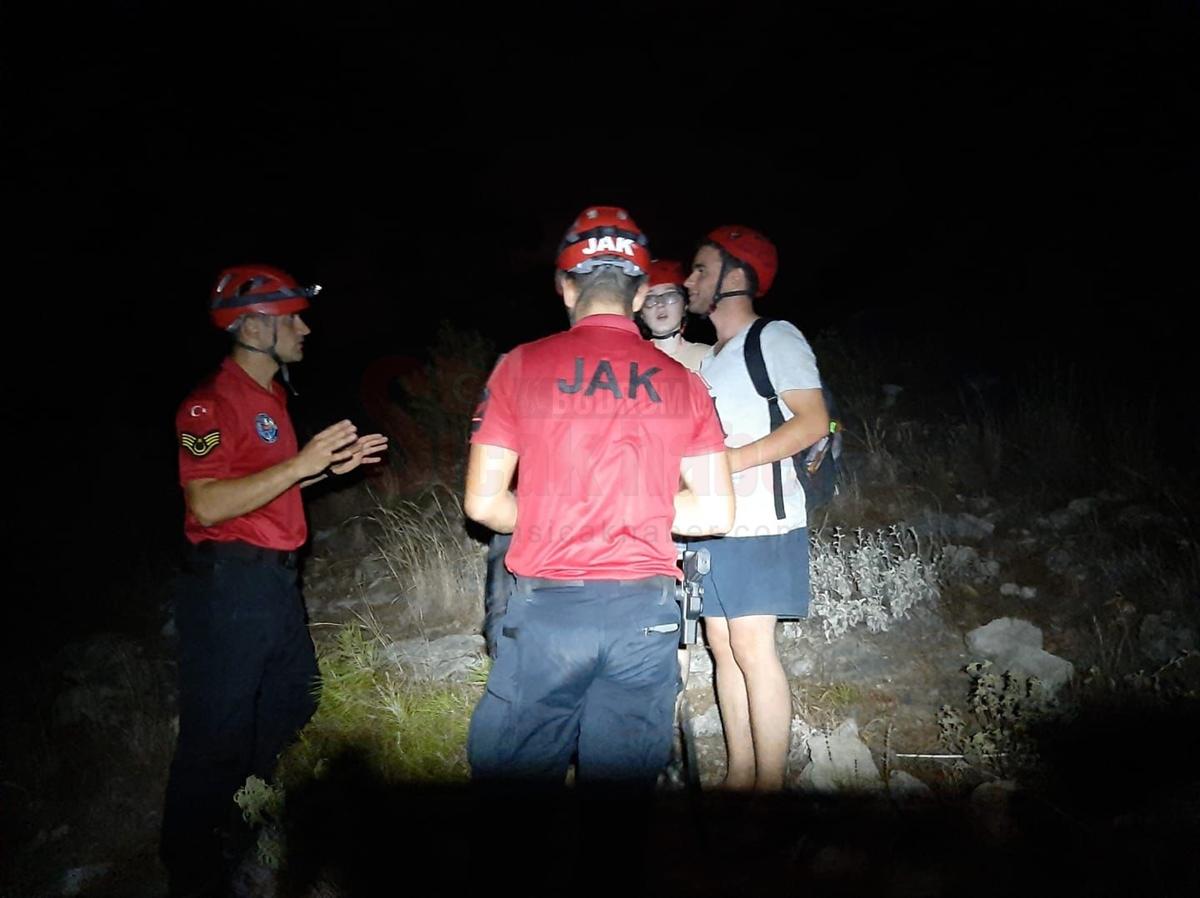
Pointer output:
548, 583
245, 552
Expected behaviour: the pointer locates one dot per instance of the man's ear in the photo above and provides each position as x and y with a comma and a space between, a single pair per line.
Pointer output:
735, 279
639, 298
567, 290
253, 327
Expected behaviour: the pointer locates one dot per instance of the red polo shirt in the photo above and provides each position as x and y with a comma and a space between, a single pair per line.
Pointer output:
600, 419
230, 427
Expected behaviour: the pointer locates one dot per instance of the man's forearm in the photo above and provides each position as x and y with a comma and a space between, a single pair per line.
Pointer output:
214, 501
784, 442
498, 513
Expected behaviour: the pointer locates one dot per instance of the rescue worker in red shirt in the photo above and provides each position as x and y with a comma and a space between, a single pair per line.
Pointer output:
247, 670
603, 425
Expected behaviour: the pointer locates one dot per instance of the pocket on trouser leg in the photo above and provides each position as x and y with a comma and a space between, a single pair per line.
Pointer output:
659, 710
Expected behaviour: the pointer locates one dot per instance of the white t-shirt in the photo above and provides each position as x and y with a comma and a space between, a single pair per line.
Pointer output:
744, 414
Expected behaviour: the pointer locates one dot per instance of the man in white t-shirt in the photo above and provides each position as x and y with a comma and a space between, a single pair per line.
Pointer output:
759, 570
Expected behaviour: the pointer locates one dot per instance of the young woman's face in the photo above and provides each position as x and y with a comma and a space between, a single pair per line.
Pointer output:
663, 309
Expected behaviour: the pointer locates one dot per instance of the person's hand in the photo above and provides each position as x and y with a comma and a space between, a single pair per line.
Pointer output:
365, 451
333, 445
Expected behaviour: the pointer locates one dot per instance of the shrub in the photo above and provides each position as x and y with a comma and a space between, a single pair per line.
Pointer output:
876, 579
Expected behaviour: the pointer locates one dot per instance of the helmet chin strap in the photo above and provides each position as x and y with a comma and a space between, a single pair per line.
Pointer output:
283, 372
717, 294
283, 368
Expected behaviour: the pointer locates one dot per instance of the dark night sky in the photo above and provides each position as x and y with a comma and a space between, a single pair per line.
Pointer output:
1022, 177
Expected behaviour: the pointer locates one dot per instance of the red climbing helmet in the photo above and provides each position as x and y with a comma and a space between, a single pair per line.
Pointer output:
666, 271
752, 248
257, 290
604, 235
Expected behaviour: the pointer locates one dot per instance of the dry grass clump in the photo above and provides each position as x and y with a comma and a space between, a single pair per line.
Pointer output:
437, 566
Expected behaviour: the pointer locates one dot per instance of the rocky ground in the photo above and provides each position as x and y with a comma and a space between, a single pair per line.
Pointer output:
1089, 596
1095, 596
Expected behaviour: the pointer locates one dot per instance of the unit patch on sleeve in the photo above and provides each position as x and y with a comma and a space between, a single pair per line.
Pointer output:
200, 446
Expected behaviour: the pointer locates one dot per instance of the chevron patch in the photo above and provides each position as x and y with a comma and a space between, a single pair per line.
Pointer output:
200, 446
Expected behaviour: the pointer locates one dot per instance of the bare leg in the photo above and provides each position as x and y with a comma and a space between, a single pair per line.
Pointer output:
734, 705
752, 640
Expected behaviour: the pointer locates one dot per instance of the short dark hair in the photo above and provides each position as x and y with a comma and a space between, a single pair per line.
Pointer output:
607, 282
731, 263
235, 326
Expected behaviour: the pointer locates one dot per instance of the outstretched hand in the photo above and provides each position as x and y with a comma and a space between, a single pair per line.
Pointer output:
365, 451
331, 446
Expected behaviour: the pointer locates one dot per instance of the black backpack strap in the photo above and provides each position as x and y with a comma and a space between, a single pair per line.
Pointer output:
762, 383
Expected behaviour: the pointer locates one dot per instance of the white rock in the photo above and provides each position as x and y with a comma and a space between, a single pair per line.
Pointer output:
447, 658
1002, 636
1009, 589
1029, 592
840, 762
707, 724
1027, 661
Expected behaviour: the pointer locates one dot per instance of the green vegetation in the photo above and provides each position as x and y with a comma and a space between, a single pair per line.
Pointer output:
408, 728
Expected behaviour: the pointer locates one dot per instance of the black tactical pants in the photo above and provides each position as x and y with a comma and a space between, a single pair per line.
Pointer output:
247, 684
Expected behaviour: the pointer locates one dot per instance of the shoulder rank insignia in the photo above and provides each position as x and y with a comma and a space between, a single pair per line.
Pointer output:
200, 446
